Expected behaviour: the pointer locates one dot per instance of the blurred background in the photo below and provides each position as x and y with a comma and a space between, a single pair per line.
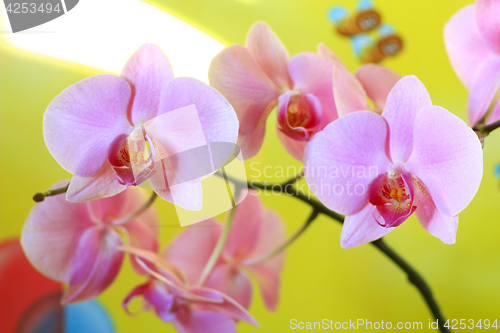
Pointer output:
320, 279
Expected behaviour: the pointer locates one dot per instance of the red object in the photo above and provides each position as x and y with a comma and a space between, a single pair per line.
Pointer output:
20, 285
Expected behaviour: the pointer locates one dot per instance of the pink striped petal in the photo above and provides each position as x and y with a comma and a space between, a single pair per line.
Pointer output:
270, 53
197, 321
236, 75
348, 92
95, 265
228, 306
406, 99
148, 72
232, 282
361, 228
100, 185
485, 84
80, 123
51, 233
340, 164
436, 223
487, 14
246, 229
191, 249
378, 82
465, 45
447, 157
312, 74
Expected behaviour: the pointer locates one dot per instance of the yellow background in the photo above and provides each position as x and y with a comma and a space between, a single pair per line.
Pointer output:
320, 280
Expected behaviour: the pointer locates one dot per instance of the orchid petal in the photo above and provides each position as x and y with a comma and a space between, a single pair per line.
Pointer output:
293, 147
100, 185
405, 100
187, 195
312, 74
327, 162
80, 123
217, 117
231, 282
378, 82
465, 45
487, 14
268, 273
148, 71
191, 249
325, 52
348, 92
436, 223
447, 157
196, 321
361, 228
270, 53
51, 233
246, 228
485, 84
229, 306
236, 75
95, 265
268, 279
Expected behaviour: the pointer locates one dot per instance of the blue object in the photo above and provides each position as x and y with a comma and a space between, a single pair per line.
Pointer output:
337, 14
365, 5
386, 30
87, 317
497, 170
360, 42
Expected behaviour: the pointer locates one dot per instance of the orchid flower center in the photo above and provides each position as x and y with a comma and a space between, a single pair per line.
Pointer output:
299, 116
134, 157
392, 194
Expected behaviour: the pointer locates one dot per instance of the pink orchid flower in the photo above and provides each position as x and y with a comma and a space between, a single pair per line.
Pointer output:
379, 169
257, 77
76, 243
112, 131
351, 91
255, 232
192, 309
472, 39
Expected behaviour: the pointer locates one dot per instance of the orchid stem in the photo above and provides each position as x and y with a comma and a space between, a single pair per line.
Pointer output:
413, 276
138, 212
39, 197
222, 239
283, 246
416, 279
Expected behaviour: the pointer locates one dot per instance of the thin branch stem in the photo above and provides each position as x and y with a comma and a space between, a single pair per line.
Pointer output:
283, 246
416, 279
413, 276
222, 239
138, 212
480, 126
40, 196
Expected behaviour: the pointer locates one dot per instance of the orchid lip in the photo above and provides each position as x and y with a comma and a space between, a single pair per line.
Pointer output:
392, 193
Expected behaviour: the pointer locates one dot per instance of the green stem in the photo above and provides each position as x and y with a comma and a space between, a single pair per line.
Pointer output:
283, 246
39, 197
222, 239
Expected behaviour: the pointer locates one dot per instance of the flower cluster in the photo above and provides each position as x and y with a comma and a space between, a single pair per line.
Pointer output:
114, 133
